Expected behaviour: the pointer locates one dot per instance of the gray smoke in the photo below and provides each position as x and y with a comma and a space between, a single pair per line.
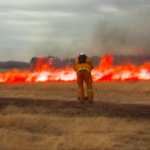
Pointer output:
124, 34
65, 28
128, 33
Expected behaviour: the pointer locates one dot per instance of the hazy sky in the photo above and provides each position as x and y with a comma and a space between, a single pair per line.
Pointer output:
64, 28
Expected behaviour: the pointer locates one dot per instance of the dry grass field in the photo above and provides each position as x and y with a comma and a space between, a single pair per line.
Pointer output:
120, 92
119, 118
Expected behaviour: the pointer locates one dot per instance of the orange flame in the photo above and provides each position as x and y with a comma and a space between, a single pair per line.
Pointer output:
104, 72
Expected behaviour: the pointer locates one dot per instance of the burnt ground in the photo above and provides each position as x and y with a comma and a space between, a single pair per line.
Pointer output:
74, 108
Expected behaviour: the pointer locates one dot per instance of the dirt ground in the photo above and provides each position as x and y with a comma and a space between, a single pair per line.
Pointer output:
68, 108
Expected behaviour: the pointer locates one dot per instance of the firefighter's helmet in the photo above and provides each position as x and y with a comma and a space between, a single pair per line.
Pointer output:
82, 53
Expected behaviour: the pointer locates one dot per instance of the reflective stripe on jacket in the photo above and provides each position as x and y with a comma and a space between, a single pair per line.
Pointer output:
83, 66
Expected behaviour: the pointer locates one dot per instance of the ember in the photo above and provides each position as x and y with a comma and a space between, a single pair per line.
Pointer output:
104, 72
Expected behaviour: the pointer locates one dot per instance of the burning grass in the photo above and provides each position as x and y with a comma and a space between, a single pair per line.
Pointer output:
103, 72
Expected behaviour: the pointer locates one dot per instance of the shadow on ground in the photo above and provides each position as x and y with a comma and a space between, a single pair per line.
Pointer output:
74, 108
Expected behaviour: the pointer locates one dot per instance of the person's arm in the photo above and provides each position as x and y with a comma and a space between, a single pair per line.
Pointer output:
90, 63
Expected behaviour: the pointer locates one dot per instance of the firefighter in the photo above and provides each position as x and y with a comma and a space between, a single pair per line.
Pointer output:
83, 66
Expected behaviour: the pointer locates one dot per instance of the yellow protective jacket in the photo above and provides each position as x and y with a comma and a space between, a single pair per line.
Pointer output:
83, 66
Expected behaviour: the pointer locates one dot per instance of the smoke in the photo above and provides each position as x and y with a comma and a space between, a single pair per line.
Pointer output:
124, 32
128, 33
60, 47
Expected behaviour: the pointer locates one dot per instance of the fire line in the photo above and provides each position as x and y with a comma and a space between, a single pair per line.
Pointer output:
104, 72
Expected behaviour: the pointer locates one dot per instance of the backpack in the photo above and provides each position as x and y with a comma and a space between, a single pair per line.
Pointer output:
82, 58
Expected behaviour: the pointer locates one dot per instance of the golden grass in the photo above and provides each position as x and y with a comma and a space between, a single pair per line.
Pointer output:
120, 92
38, 131
20, 128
